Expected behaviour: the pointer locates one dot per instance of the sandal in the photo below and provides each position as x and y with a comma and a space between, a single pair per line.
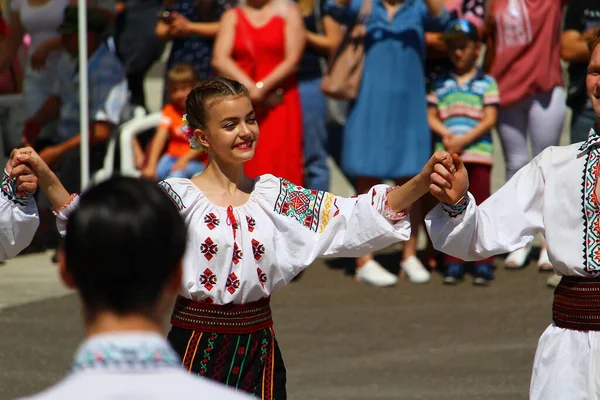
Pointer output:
518, 258
544, 264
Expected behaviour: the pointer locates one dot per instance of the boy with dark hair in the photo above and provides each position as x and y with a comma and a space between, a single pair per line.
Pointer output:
462, 112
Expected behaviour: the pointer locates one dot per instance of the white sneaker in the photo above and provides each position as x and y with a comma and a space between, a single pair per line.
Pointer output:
553, 281
415, 271
518, 258
372, 273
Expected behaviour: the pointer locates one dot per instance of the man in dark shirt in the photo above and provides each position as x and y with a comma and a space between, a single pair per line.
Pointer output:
581, 21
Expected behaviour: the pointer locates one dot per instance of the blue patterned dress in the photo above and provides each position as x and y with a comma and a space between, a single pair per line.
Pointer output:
196, 50
387, 134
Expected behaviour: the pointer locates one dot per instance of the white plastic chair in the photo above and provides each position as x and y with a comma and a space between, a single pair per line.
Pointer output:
128, 132
135, 126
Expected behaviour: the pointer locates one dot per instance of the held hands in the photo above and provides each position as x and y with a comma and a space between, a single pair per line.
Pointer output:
179, 25
28, 167
26, 180
454, 143
449, 185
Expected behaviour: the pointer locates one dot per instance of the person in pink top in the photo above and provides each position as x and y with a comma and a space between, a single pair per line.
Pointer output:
527, 68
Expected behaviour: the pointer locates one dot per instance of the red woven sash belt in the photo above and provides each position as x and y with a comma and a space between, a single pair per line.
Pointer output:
576, 304
215, 318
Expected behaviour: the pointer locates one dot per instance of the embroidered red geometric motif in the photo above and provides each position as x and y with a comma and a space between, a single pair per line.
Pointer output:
268, 373
209, 248
299, 201
251, 223
304, 205
190, 352
233, 283
208, 279
262, 277
237, 254
258, 249
211, 221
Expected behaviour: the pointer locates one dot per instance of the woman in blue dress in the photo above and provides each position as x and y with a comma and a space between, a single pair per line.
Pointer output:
387, 135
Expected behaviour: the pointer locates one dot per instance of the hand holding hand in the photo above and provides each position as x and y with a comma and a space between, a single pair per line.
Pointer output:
25, 179
26, 162
454, 143
179, 25
449, 191
439, 157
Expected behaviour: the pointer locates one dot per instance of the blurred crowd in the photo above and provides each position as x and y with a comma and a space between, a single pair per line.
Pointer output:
430, 74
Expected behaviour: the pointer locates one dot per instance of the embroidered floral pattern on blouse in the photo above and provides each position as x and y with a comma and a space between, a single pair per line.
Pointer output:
591, 212
262, 277
115, 356
175, 198
389, 213
251, 223
237, 254
258, 249
300, 203
233, 283
208, 279
209, 249
458, 208
211, 221
9, 191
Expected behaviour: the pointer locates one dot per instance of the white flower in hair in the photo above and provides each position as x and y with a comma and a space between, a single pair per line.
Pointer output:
188, 132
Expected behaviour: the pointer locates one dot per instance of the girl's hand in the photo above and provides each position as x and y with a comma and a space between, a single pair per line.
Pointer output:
179, 24
449, 191
25, 179
26, 159
439, 157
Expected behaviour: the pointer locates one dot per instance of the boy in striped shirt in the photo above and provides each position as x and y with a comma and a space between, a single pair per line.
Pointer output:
462, 111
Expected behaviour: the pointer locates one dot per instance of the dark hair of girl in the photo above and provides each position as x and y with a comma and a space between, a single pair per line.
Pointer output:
123, 244
206, 94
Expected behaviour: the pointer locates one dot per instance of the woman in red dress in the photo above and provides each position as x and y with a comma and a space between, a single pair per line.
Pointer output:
260, 44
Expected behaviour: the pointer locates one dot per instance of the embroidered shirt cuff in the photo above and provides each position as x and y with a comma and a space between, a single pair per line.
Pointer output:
389, 213
68, 207
458, 208
9, 190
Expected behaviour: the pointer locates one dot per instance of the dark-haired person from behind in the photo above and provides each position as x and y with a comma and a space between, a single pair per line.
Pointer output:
122, 252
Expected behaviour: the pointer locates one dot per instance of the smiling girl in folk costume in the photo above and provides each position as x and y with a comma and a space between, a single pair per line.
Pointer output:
247, 238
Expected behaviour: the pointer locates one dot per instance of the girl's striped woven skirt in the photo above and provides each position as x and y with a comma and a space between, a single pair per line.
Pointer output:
233, 344
576, 304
